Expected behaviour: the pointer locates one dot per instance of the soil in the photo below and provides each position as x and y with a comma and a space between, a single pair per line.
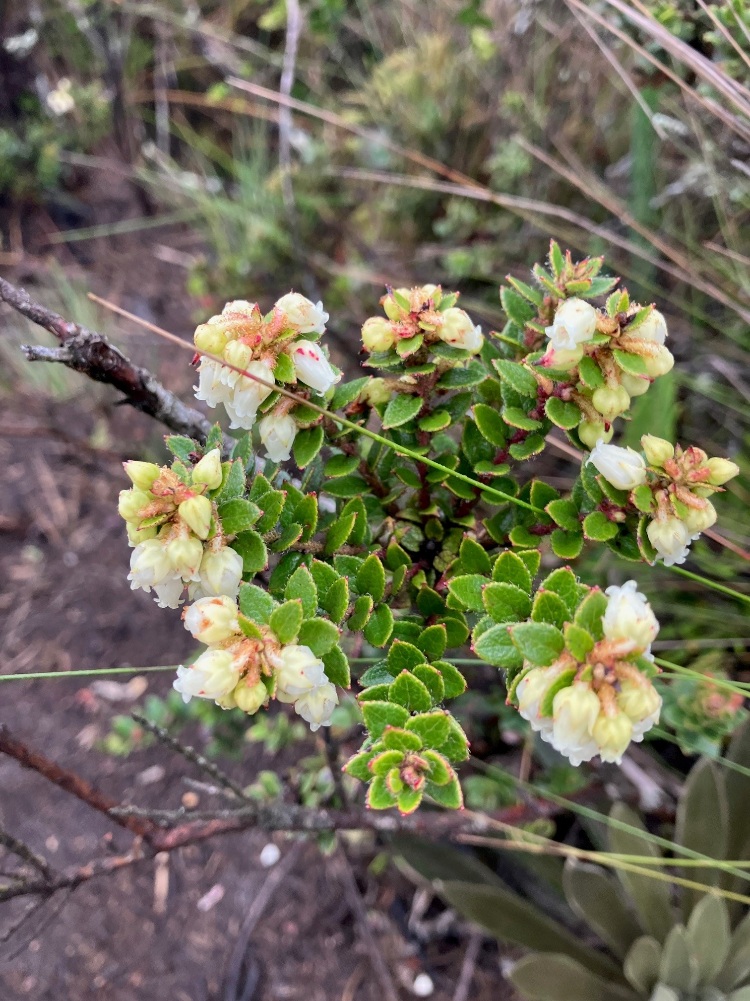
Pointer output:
177, 927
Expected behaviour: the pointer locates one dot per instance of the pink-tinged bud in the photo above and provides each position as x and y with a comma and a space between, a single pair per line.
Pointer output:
612, 734
635, 384
657, 450
208, 471
722, 471
312, 367
377, 334
653, 328
277, 434
391, 308
250, 698
212, 620
591, 434
185, 554
574, 323
460, 331
629, 616
196, 513
622, 467
132, 502
611, 401
560, 359
697, 520
670, 538
141, 474
659, 363
305, 316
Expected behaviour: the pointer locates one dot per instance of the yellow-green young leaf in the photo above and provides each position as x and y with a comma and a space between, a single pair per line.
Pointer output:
301, 585
253, 551
380, 626
408, 800
307, 444
358, 766
506, 602
433, 728
408, 691
467, 590
578, 641
496, 647
566, 545
590, 613
432, 679
284, 368
643, 499
336, 666
361, 531
360, 613
455, 747
401, 409
433, 641
546, 706
437, 421
491, 425
511, 568
564, 413
403, 656
549, 607
238, 515
336, 599
538, 642
379, 715
631, 364
518, 377
339, 532
248, 628
286, 620
598, 527
383, 762
397, 739
379, 796
318, 634
448, 794
409, 346
563, 583
371, 578
518, 418
256, 603
531, 559
441, 771
453, 681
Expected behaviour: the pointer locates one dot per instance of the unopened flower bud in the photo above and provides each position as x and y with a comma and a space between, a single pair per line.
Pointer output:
132, 502
141, 474
657, 450
622, 467
185, 554
697, 520
377, 334
250, 698
298, 670
137, 535
670, 538
574, 323
612, 734
636, 385
659, 363
653, 328
561, 359
312, 367
641, 702
221, 572
628, 616
611, 401
277, 434
196, 513
391, 308
460, 331
574, 712
208, 470
376, 391
722, 471
212, 620
591, 434
307, 317
238, 354
212, 337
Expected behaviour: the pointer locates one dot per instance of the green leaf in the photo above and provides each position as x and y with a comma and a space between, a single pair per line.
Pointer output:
307, 444
401, 409
336, 666
284, 368
474, 558
339, 532
632, 364
408, 800
564, 413
358, 766
456, 746
578, 641
467, 589
565, 514
432, 679
397, 739
506, 602
371, 578
566, 545
347, 486
408, 691
643, 498
346, 392
403, 657
318, 634
379, 715
550, 977
518, 377
641, 966
448, 794
360, 613
701, 823
252, 549
286, 620
563, 582
433, 641
436, 421
516, 307
301, 585
510, 568
538, 642
518, 418
441, 771
532, 445
590, 613
336, 599
590, 373
710, 937
382, 763
549, 607
379, 796
433, 728
232, 482
598, 899
256, 603
271, 504
379, 628
491, 425
341, 465
496, 647
453, 681
598, 527
238, 515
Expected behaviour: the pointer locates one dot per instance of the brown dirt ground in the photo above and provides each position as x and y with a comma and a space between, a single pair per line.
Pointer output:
175, 928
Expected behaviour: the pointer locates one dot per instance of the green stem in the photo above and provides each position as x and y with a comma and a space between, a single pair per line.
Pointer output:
85, 674
707, 582
730, 686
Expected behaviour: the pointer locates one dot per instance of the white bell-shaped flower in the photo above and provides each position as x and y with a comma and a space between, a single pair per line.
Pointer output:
574, 323
670, 537
629, 616
312, 367
307, 317
624, 468
212, 676
212, 620
316, 706
298, 671
277, 434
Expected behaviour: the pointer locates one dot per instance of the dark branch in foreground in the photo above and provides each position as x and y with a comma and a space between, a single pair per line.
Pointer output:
167, 830
91, 353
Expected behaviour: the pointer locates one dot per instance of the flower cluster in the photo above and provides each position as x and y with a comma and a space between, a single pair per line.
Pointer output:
597, 705
670, 486
258, 352
174, 528
420, 316
244, 668
624, 350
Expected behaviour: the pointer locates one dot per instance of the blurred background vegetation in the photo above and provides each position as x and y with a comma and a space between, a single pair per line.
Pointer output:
336, 146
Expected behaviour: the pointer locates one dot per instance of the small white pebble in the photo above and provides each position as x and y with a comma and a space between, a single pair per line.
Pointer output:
270, 855
423, 986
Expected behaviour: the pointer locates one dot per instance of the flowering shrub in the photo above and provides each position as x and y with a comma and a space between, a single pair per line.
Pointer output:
414, 527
